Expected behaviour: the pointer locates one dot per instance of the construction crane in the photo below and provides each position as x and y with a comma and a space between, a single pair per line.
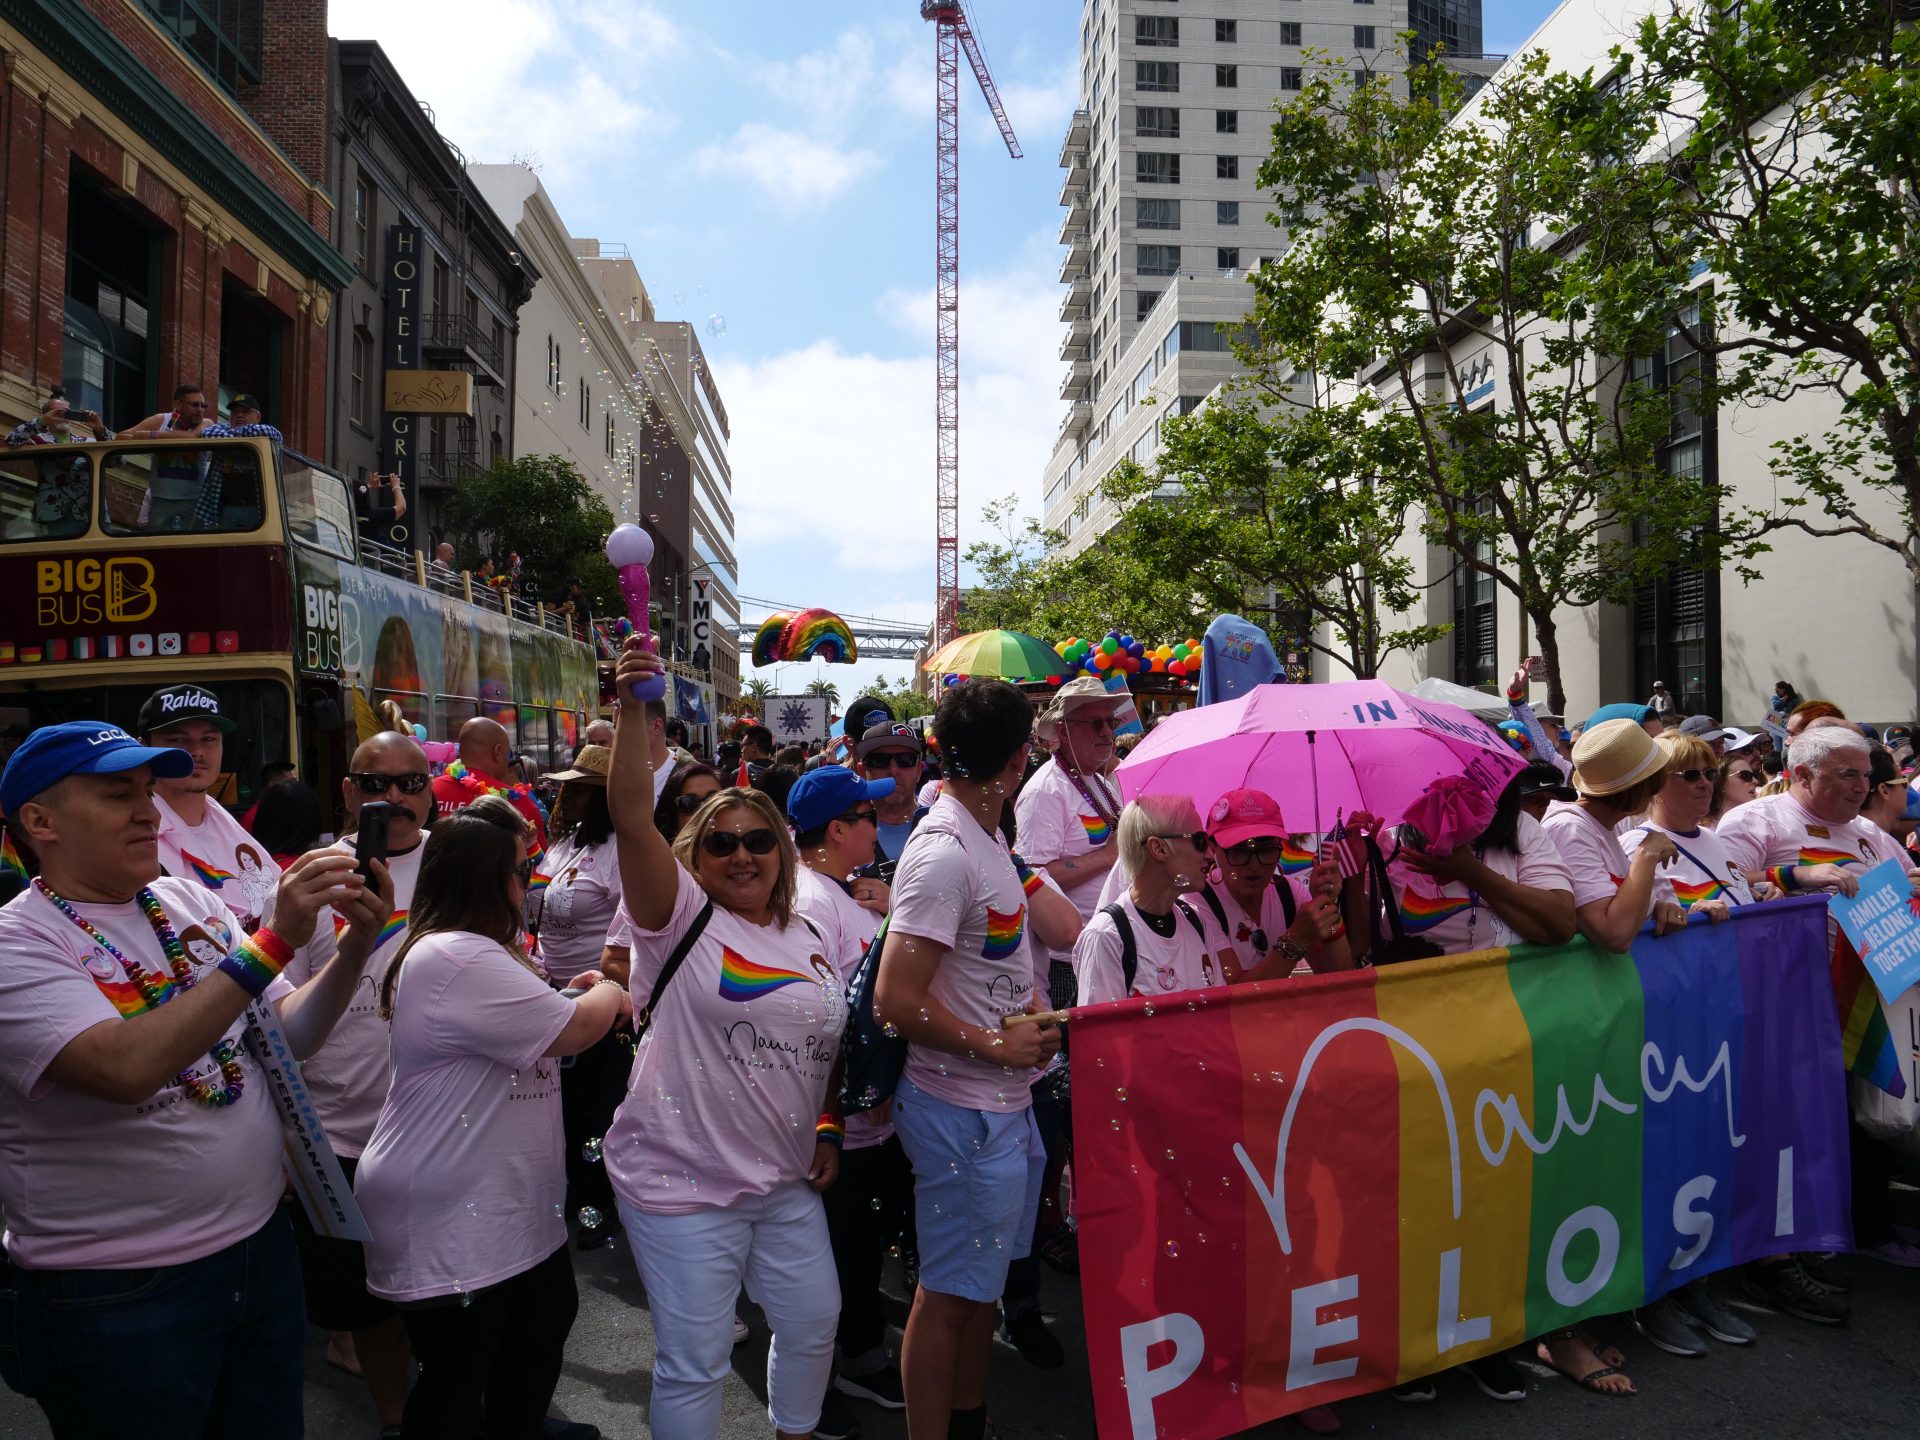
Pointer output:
952, 34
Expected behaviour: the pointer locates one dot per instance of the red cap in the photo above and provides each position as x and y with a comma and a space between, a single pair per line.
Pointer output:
1244, 815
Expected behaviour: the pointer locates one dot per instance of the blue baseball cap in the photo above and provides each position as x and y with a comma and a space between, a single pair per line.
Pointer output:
1621, 710
80, 747
828, 793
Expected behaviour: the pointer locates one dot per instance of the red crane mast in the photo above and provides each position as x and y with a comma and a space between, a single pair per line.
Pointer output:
952, 34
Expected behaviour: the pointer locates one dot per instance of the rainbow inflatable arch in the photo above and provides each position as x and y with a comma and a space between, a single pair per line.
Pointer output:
805, 635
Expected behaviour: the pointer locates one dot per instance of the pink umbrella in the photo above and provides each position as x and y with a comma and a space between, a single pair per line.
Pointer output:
1319, 749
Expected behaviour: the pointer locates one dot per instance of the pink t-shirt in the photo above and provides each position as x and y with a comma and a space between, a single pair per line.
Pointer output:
464, 1178
847, 928
575, 907
1703, 870
1163, 965
1594, 859
92, 1184
1450, 914
732, 1074
219, 854
347, 1076
1056, 822
957, 887
1778, 830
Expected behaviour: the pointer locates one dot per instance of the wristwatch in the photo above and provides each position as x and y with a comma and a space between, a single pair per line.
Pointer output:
1290, 951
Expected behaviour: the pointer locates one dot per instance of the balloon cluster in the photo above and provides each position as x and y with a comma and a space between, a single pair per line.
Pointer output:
1122, 654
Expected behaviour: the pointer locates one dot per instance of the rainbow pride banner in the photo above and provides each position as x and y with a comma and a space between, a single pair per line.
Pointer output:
1301, 1190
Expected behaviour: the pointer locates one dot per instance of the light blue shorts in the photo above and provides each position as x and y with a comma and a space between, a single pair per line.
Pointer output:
976, 1187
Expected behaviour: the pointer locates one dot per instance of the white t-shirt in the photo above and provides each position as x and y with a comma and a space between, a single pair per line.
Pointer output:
347, 1076
95, 1184
1242, 942
464, 1179
957, 887
1778, 830
576, 905
1056, 822
1594, 859
847, 928
220, 855
731, 1076
1703, 870
1164, 965
1450, 914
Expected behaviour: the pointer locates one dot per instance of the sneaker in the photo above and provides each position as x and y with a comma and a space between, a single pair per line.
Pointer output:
1701, 1308
1027, 1332
1320, 1419
1059, 1249
1417, 1391
1896, 1252
1828, 1270
741, 1334
836, 1420
1785, 1286
1665, 1324
1497, 1376
880, 1387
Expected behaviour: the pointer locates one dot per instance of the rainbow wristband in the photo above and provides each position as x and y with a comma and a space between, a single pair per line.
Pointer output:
1782, 875
830, 1129
258, 961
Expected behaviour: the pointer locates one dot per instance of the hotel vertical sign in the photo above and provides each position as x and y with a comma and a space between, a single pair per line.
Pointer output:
406, 256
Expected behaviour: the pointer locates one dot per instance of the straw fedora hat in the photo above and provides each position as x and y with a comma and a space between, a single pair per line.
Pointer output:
1083, 690
1614, 756
590, 766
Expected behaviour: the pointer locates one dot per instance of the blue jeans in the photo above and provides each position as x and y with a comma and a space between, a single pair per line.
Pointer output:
208, 1350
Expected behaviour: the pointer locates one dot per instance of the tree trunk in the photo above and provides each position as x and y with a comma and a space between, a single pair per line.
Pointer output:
1547, 635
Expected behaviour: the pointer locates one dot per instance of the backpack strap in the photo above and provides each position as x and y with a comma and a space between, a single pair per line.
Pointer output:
682, 947
1193, 919
1129, 949
1219, 910
1289, 906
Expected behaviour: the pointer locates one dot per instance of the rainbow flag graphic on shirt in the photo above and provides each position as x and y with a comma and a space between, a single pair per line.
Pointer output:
128, 1000
396, 923
1422, 912
1690, 893
209, 875
742, 980
1098, 831
1004, 933
1814, 856
1295, 855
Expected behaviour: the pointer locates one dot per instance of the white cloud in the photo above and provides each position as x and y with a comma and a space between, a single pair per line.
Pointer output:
797, 171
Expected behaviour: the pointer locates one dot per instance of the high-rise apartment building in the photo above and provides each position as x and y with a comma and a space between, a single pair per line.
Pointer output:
1163, 216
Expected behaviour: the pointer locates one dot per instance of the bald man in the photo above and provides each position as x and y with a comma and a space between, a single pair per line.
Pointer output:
485, 768
348, 1075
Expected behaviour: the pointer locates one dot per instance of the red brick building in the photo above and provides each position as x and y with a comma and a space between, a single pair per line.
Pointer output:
165, 212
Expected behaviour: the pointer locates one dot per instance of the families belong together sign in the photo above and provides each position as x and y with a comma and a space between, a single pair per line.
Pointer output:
1297, 1191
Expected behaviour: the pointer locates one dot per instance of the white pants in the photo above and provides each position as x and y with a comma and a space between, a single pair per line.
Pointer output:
693, 1266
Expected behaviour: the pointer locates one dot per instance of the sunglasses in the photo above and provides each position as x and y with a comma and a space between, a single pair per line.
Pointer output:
687, 804
1195, 838
898, 759
855, 817
1265, 850
1746, 775
374, 784
722, 843
525, 871
1095, 722
1690, 777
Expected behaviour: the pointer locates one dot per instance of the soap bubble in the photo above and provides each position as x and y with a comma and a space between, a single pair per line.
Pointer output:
716, 325
590, 1218
593, 1151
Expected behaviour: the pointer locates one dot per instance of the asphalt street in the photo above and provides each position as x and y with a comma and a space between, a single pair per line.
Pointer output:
1856, 1379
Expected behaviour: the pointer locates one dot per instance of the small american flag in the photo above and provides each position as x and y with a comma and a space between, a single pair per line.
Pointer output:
1348, 847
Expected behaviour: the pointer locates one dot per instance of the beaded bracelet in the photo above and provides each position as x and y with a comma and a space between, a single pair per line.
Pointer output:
258, 961
830, 1129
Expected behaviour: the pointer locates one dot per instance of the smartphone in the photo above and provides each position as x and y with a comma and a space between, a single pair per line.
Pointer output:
370, 843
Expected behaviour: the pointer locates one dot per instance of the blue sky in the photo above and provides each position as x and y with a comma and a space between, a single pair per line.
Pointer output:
771, 169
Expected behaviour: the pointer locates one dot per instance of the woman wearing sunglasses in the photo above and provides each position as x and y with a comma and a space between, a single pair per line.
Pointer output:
463, 1180
1702, 879
688, 788
1737, 780
1263, 924
1150, 941
716, 1154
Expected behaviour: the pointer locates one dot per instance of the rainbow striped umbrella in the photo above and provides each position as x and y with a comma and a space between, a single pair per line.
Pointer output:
998, 655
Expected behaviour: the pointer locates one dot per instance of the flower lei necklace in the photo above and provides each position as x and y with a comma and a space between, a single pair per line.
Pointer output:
156, 989
461, 775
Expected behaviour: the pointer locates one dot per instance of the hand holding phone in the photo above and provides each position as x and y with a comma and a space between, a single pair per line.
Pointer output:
370, 843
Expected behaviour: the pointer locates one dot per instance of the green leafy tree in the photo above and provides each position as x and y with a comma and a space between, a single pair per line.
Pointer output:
756, 688
902, 699
826, 689
1514, 248
542, 507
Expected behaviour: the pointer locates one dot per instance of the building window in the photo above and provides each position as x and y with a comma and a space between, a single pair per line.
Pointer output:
1156, 75
362, 225
360, 378
1475, 659
1156, 214
1226, 167
1156, 122
1363, 37
1156, 30
586, 400
1226, 212
1143, 303
1226, 122
1226, 32
1157, 260
440, 279
223, 39
1152, 167
1227, 257
1289, 77
609, 437
1289, 32
1226, 77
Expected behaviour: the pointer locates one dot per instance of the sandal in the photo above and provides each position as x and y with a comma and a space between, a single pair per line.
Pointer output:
1589, 1380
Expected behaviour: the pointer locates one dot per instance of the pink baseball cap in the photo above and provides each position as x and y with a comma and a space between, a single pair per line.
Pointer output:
1244, 815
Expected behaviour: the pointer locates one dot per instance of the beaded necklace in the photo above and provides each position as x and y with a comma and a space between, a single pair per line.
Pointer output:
156, 989
461, 775
1099, 797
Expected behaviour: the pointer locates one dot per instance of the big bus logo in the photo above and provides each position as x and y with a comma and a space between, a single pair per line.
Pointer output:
115, 591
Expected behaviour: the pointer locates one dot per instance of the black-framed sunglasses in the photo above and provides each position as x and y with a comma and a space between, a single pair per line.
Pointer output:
370, 783
722, 843
687, 804
856, 817
1690, 777
1746, 775
896, 759
1265, 849
1195, 838
525, 871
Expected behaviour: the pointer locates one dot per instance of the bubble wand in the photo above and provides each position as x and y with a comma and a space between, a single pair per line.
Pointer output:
630, 550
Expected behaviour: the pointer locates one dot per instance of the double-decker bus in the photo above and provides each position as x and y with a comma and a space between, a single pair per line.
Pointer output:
237, 564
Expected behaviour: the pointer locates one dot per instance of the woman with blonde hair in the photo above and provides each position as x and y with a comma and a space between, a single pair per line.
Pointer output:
716, 1154
1150, 941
